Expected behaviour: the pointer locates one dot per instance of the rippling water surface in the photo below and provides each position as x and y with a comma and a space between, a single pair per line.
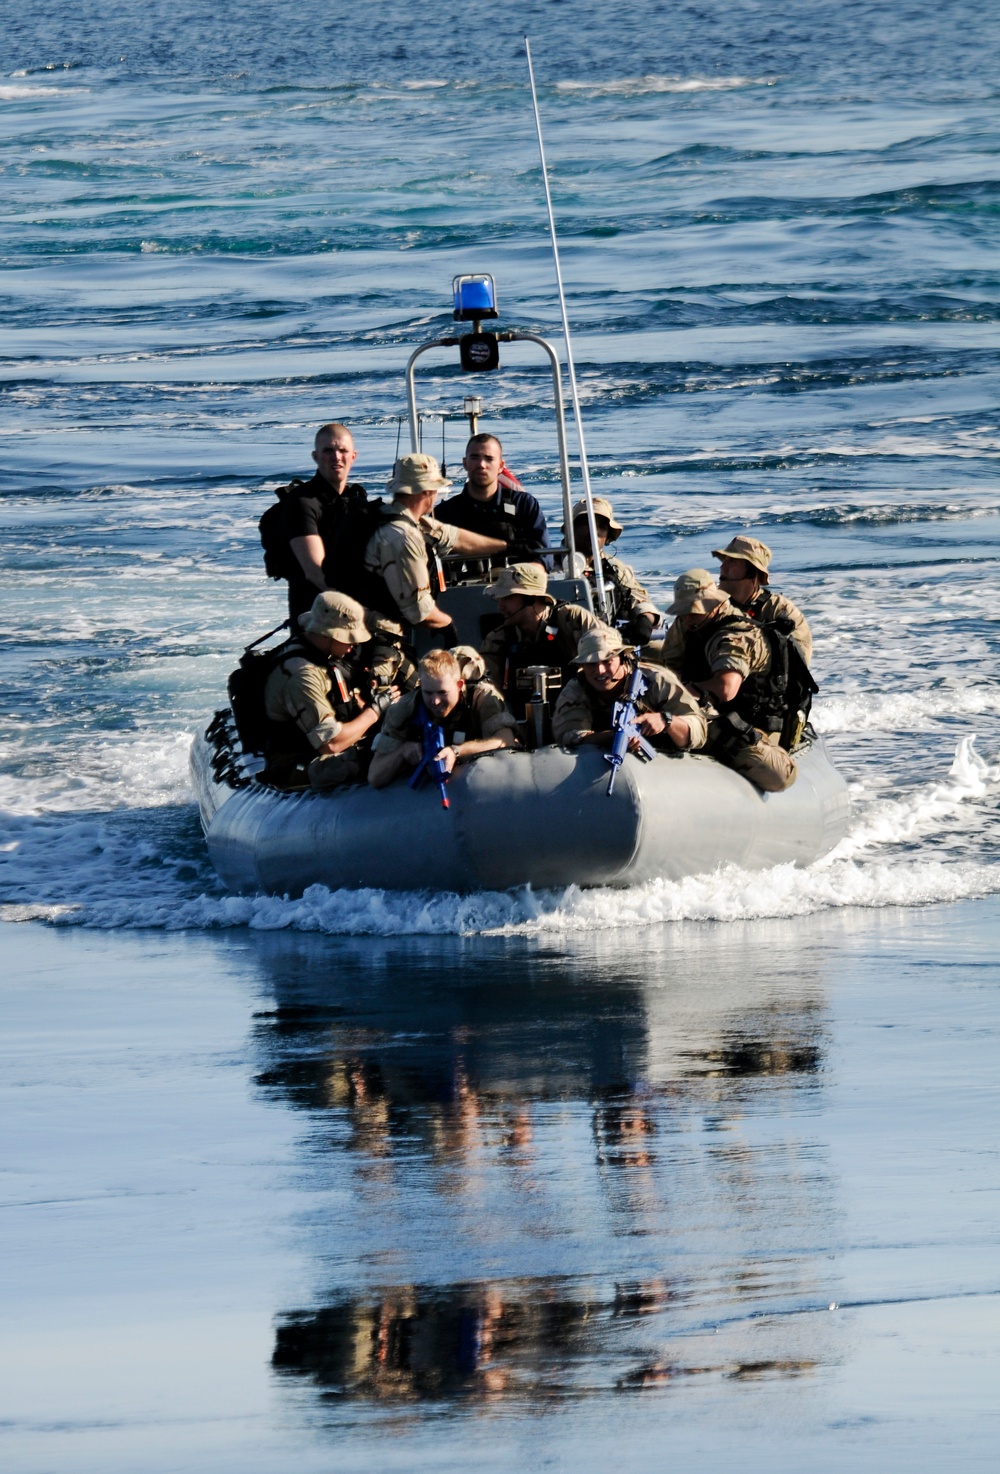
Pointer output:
779, 240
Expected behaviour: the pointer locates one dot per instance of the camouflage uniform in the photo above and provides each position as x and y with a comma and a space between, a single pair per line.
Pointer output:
311, 698
736, 646
581, 710
506, 651
768, 605
480, 713
398, 553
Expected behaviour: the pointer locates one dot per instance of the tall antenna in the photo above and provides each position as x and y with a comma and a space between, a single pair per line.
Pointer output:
602, 597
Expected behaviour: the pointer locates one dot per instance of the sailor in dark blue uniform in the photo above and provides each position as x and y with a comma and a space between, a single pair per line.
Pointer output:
495, 504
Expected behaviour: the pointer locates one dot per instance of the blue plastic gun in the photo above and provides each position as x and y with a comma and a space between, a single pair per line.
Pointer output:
430, 765
623, 725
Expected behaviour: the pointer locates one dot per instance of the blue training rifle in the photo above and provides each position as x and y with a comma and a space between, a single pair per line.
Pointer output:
624, 726
433, 739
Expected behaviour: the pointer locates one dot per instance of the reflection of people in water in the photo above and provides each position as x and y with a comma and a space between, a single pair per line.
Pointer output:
489, 1340
471, 1094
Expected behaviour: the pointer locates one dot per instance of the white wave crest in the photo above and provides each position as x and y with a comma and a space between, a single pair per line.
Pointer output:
119, 772
12, 91
636, 86
897, 821
903, 711
727, 895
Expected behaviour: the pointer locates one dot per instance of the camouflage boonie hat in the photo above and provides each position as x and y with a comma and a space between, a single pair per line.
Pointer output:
527, 579
414, 474
338, 617
696, 592
602, 508
756, 553
470, 662
598, 645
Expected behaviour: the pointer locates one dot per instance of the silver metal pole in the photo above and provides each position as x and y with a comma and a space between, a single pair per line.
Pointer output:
602, 597
560, 435
411, 389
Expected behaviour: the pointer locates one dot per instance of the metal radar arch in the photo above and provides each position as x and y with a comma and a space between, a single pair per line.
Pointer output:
475, 298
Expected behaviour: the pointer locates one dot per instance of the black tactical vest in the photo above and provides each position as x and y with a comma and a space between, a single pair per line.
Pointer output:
773, 700
375, 591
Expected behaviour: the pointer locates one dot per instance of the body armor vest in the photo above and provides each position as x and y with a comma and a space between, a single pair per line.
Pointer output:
774, 701
374, 591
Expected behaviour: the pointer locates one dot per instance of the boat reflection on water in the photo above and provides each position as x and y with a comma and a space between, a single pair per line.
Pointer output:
548, 1170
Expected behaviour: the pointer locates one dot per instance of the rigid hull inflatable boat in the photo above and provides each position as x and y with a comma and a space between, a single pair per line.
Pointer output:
540, 818
515, 818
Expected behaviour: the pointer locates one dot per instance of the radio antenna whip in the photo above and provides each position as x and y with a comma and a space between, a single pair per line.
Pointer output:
602, 597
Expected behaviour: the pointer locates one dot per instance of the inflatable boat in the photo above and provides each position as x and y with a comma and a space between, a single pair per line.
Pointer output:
540, 818
515, 818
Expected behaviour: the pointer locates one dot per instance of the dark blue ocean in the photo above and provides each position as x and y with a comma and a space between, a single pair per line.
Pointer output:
368, 1180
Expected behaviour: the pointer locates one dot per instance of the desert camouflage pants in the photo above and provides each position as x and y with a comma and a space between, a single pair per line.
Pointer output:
767, 765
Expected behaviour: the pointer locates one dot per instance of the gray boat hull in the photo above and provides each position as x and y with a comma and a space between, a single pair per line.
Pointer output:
516, 818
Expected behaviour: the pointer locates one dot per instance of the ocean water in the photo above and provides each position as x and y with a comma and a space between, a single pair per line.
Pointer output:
778, 232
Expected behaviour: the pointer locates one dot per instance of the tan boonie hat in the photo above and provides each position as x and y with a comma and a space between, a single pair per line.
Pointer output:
470, 662
338, 617
757, 554
598, 645
527, 579
696, 592
602, 508
414, 474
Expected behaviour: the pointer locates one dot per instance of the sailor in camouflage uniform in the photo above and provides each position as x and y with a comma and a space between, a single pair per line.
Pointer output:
635, 611
726, 657
397, 551
744, 577
470, 712
668, 713
536, 630
327, 693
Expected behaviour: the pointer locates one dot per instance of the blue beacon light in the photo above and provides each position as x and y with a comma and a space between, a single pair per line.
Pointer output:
475, 297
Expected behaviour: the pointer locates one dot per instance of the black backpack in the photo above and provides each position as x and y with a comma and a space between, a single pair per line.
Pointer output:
277, 554
246, 692
279, 562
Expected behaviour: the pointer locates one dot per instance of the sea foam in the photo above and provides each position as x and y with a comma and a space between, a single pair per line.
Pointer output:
148, 868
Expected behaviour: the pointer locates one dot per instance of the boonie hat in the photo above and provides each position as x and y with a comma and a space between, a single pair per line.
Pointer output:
415, 473
696, 592
337, 616
602, 508
470, 662
598, 645
757, 554
527, 579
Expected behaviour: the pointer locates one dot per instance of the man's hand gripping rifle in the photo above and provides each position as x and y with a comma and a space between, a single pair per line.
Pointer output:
623, 725
430, 765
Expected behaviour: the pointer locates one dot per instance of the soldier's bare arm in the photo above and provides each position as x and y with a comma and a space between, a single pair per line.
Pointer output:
725, 684
474, 542
386, 766
310, 552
